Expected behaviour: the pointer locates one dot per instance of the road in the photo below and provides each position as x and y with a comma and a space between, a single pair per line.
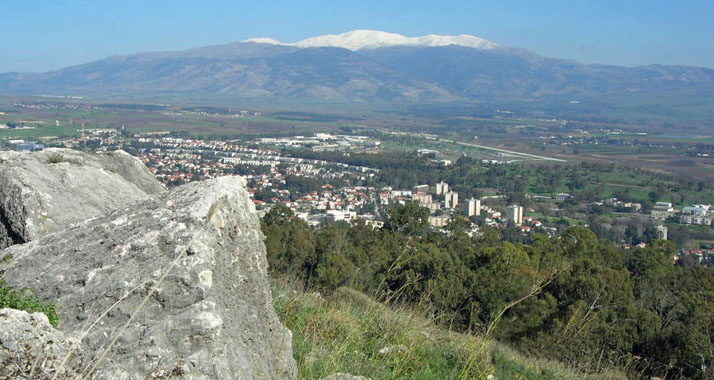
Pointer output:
512, 153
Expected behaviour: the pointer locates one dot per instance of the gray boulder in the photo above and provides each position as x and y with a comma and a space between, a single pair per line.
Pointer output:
48, 191
31, 349
173, 286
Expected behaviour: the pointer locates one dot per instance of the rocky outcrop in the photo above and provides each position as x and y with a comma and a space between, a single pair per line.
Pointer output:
31, 349
173, 286
48, 191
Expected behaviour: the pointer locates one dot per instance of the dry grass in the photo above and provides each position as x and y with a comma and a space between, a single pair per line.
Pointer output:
344, 332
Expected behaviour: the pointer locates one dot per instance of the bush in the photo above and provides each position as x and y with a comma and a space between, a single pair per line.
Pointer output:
55, 158
24, 299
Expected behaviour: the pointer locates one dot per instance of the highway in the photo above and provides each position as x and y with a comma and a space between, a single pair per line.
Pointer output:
510, 152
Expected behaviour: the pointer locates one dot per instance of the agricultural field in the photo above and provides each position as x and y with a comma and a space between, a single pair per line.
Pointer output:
680, 151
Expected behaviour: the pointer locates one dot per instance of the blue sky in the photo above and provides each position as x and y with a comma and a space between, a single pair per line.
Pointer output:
50, 34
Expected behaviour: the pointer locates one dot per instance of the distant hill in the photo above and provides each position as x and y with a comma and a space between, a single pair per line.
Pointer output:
364, 66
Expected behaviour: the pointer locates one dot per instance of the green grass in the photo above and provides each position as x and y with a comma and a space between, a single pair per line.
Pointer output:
345, 331
24, 299
637, 186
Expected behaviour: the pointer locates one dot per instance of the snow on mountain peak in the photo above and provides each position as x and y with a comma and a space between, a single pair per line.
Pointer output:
371, 39
264, 40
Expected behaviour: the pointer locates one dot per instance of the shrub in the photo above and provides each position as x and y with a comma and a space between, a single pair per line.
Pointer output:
55, 158
24, 299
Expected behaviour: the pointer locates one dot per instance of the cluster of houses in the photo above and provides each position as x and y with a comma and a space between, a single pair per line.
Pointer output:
323, 142
25, 146
618, 204
703, 257
177, 160
179, 168
697, 214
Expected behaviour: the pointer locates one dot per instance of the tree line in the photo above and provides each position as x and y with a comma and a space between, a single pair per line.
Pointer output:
593, 305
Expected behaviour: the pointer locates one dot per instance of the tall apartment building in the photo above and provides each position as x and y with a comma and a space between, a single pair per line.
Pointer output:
442, 188
451, 199
474, 207
515, 213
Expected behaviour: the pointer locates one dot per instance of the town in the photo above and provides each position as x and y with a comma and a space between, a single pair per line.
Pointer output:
321, 191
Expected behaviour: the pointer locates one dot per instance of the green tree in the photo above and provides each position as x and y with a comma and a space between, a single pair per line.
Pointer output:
409, 218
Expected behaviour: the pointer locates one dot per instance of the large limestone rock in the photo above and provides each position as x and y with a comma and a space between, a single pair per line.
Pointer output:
173, 286
31, 349
48, 191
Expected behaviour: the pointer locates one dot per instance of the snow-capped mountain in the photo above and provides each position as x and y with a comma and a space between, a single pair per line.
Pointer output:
368, 66
371, 39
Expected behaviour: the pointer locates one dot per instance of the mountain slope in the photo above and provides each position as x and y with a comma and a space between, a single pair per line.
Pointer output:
513, 72
366, 66
241, 69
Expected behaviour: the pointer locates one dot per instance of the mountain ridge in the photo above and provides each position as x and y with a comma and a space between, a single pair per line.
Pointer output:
411, 73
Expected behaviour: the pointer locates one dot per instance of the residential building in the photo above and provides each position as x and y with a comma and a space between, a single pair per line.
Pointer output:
515, 213
562, 196
474, 207
442, 188
424, 200
438, 221
451, 199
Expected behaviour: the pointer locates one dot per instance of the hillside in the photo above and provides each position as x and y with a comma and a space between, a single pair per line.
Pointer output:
349, 332
570, 297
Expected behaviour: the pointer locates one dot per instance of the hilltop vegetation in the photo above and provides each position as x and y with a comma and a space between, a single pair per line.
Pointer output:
348, 331
573, 298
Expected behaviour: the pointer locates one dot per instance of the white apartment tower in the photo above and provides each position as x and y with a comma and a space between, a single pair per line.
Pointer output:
451, 199
515, 213
442, 188
474, 207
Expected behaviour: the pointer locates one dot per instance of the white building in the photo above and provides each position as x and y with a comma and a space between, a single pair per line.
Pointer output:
562, 196
423, 199
474, 207
451, 199
515, 213
438, 221
663, 206
339, 215
401, 193
442, 188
